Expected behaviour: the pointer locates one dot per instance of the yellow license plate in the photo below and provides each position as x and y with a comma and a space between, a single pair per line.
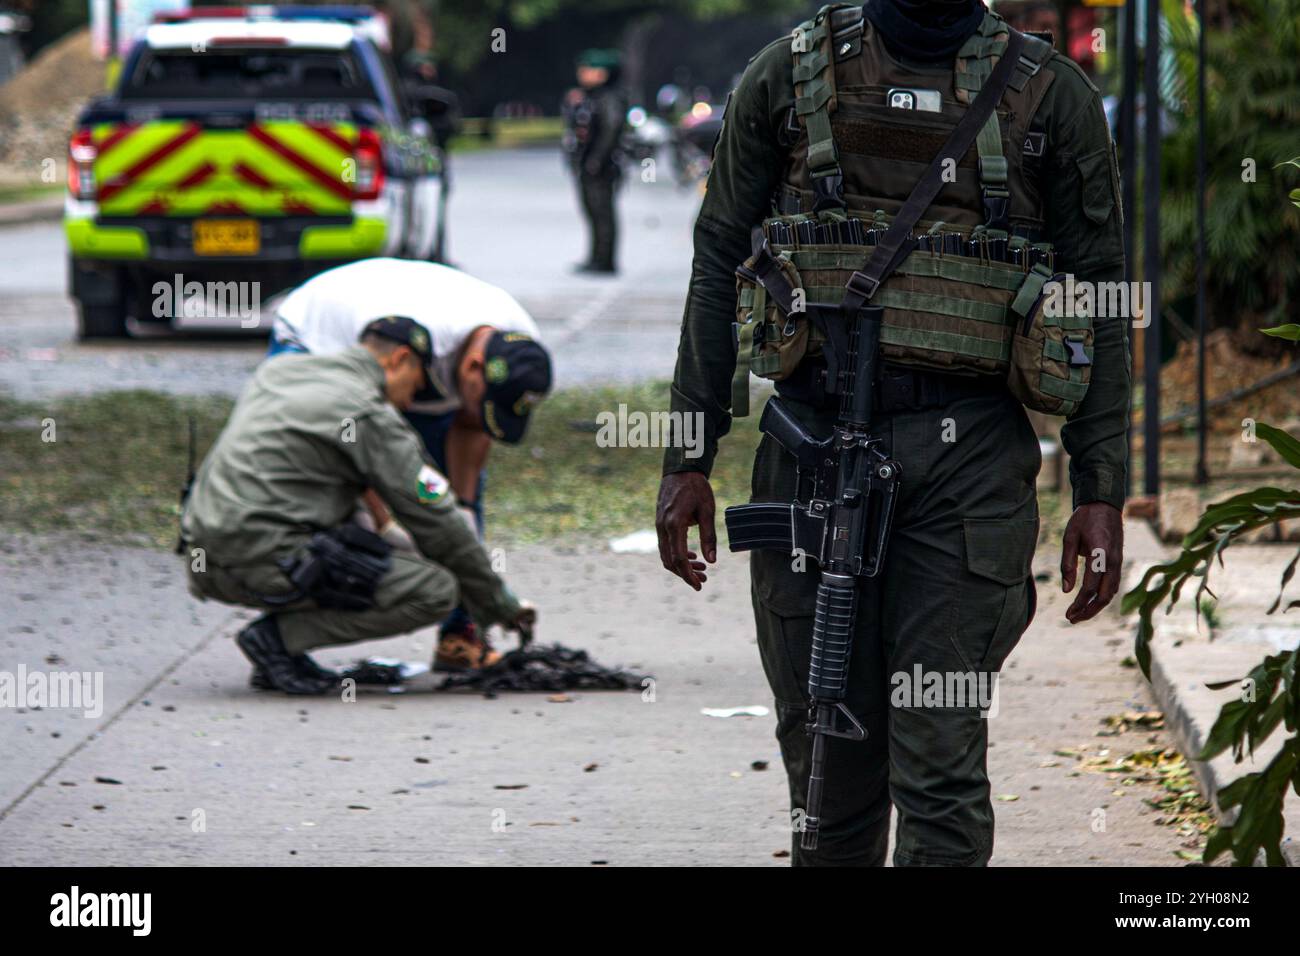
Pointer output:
227, 237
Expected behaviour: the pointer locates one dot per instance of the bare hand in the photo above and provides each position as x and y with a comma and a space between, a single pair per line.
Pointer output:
1095, 533
686, 499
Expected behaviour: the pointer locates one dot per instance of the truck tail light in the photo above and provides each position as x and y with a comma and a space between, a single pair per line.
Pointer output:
81, 166
369, 156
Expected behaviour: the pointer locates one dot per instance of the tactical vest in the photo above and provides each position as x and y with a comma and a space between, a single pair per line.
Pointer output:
967, 299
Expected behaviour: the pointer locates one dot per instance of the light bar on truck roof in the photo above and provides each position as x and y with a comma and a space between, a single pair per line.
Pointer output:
200, 34
348, 14
364, 20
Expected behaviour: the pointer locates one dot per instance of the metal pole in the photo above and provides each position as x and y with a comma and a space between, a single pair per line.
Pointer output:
1128, 173
1151, 251
1202, 425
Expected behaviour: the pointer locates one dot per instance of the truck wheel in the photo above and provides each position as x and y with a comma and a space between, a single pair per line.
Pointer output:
102, 322
100, 294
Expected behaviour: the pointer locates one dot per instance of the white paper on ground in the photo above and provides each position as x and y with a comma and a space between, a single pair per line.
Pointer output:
644, 541
753, 710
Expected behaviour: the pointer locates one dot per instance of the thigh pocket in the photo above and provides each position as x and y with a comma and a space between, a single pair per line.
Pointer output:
994, 608
781, 641
785, 584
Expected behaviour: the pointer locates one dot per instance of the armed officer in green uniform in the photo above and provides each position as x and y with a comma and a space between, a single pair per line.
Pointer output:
595, 114
824, 138
266, 522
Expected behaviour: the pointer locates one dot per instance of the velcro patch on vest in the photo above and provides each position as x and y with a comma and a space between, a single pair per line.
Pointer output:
1035, 144
895, 143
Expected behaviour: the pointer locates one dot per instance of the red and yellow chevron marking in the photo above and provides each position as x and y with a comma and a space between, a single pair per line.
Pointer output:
178, 168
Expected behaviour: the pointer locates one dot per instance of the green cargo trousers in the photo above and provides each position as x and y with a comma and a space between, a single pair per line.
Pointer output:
415, 593
952, 599
597, 193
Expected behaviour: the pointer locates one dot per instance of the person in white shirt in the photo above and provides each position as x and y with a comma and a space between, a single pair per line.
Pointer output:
488, 372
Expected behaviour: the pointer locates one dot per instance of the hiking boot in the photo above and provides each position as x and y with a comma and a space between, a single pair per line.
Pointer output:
261, 644
465, 650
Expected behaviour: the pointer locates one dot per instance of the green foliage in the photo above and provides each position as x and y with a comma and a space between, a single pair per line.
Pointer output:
1271, 694
1253, 112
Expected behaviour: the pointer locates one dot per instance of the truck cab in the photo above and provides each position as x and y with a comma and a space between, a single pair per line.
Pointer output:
245, 145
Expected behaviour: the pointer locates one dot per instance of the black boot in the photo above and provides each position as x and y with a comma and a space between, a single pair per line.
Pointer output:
305, 666
261, 644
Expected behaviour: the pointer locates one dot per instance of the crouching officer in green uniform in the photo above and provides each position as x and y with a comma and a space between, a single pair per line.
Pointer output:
265, 521
823, 140
595, 116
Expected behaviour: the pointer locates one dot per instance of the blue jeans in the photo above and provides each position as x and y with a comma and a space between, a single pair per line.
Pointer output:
433, 429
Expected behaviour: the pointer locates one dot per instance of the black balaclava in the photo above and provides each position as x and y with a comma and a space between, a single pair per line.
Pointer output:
925, 30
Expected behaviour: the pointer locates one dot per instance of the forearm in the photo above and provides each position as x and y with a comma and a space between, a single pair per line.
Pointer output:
1096, 436
467, 454
379, 512
706, 357
746, 168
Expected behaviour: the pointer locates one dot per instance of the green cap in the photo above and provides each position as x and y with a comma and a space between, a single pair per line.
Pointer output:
604, 59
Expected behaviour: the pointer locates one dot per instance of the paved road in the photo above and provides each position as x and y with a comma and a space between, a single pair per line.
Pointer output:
514, 221
422, 777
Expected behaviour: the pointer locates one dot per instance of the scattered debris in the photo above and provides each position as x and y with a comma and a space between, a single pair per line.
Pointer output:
781, 854
108, 780
1180, 804
590, 767
1008, 797
758, 765
511, 786
552, 667
753, 710
382, 671
1116, 724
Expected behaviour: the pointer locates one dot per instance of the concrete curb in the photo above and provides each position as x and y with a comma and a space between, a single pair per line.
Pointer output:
1184, 658
48, 209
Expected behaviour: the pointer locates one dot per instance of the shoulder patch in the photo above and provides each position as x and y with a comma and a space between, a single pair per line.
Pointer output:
430, 486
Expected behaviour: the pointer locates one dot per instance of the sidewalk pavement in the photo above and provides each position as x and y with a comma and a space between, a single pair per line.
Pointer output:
1185, 655
187, 765
44, 209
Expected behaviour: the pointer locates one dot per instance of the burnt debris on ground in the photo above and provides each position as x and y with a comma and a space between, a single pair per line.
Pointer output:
545, 667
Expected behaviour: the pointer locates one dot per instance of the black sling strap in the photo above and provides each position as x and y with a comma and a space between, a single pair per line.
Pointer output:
896, 244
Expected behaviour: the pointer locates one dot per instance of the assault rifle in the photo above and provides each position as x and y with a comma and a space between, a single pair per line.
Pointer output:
840, 518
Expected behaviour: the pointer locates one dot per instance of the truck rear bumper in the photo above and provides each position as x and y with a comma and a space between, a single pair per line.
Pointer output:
170, 241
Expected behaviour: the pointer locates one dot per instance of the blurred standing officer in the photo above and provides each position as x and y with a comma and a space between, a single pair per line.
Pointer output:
955, 592
595, 114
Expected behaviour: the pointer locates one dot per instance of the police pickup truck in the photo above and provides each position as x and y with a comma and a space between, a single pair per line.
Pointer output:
255, 145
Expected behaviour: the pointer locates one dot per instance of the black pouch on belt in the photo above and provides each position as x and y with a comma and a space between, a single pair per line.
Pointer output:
341, 568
